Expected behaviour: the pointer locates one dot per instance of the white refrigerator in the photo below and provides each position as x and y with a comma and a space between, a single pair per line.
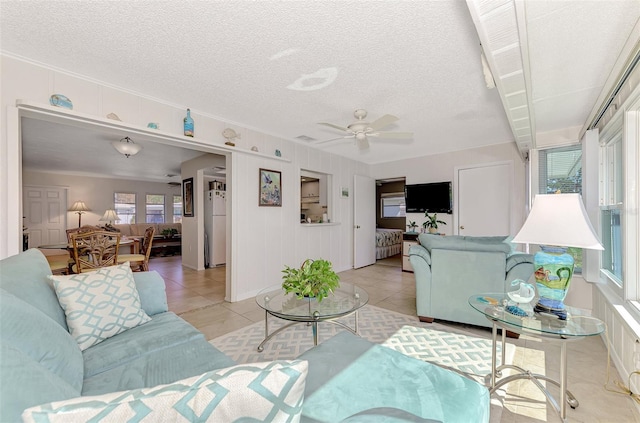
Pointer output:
215, 226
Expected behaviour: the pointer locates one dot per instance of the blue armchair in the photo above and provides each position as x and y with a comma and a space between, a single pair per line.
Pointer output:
448, 270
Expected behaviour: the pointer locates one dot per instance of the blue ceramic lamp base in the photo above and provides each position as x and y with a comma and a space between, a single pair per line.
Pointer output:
554, 269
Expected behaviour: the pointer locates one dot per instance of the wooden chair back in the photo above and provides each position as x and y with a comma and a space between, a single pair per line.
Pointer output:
92, 250
147, 241
84, 228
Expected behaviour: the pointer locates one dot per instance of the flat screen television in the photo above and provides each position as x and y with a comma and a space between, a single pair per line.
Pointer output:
433, 197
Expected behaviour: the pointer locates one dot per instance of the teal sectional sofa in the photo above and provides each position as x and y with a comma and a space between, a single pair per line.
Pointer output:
348, 379
450, 269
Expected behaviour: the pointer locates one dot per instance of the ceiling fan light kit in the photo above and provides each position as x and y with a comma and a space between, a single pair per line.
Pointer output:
361, 130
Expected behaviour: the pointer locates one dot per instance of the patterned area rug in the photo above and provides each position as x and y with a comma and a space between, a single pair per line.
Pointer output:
467, 354
432, 342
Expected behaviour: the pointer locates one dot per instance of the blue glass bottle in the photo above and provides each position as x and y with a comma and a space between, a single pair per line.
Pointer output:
188, 124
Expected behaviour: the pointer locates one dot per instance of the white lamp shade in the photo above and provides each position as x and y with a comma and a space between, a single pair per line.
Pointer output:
110, 216
79, 206
558, 219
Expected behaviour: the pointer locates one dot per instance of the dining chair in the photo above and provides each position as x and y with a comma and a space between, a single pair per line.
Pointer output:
140, 262
95, 249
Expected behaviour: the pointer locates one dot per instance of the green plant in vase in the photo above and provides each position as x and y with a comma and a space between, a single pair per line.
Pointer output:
432, 222
169, 232
315, 278
412, 226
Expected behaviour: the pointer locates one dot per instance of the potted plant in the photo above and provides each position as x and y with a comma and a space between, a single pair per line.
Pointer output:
169, 232
432, 223
314, 279
412, 226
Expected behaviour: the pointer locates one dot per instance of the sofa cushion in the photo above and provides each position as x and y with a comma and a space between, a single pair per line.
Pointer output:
24, 382
466, 243
25, 276
99, 304
125, 229
165, 330
341, 384
25, 328
162, 366
151, 289
270, 391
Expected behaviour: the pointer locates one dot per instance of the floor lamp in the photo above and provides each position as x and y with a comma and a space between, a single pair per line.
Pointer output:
79, 207
556, 221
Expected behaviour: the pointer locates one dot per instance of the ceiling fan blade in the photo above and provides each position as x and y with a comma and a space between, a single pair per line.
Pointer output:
382, 122
331, 125
397, 135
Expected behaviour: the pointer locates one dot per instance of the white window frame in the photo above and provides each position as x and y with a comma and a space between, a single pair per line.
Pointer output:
135, 205
147, 204
624, 127
173, 214
388, 195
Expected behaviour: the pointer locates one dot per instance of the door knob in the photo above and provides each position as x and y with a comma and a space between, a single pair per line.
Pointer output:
357, 226
461, 227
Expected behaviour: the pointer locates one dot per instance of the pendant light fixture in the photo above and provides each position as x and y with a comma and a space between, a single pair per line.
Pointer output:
126, 147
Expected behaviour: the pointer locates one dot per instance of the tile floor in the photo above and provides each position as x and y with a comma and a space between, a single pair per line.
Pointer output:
199, 298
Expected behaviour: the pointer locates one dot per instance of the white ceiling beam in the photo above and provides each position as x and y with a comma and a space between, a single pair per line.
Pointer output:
501, 28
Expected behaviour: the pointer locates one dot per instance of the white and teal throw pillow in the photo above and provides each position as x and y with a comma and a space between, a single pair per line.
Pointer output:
99, 304
260, 392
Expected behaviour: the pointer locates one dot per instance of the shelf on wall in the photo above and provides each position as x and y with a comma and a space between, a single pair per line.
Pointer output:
47, 112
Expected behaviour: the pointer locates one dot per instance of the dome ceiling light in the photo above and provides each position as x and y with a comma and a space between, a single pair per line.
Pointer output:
126, 147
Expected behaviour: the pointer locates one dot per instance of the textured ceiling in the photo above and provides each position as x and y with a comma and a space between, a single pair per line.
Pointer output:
239, 61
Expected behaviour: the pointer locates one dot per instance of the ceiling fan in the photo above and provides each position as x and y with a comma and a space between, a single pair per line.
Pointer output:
361, 130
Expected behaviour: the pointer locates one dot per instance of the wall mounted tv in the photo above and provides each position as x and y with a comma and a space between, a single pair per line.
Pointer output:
433, 197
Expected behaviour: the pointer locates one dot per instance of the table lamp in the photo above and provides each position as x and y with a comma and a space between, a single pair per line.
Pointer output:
109, 216
555, 222
79, 207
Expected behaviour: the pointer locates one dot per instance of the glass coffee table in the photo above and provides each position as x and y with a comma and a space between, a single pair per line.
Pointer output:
345, 300
546, 327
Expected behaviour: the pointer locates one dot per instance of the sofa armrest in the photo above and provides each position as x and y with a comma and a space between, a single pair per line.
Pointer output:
151, 288
420, 251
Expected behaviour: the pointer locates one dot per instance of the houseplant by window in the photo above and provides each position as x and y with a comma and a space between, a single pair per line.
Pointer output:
315, 279
432, 223
412, 226
169, 232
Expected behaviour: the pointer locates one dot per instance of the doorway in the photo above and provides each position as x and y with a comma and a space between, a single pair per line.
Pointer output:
390, 221
45, 215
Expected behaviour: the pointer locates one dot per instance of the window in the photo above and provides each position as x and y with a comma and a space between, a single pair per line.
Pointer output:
125, 206
154, 208
177, 209
560, 170
611, 195
393, 204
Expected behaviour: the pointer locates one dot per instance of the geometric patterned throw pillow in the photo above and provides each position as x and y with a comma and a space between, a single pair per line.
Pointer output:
258, 392
99, 304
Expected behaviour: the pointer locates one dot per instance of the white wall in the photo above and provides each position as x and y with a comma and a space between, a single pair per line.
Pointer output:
97, 193
442, 167
263, 239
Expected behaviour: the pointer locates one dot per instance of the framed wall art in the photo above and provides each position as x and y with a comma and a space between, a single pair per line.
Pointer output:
344, 192
187, 197
270, 193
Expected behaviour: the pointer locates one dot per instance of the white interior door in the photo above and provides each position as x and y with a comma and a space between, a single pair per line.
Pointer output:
45, 211
364, 221
483, 200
